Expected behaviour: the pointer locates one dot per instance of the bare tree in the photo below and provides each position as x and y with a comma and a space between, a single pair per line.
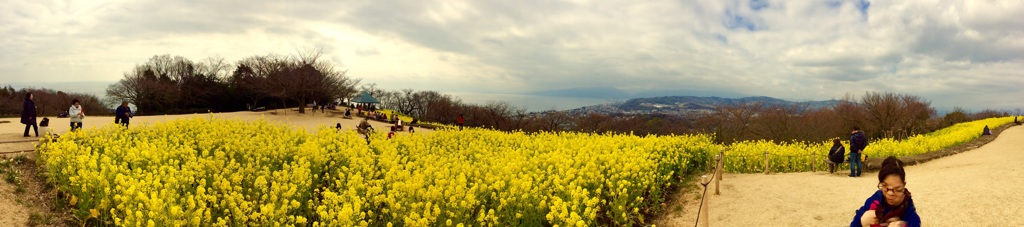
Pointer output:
552, 121
733, 122
780, 122
849, 111
895, 115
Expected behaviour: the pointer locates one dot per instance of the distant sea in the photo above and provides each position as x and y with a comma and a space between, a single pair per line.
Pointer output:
98, 88
532, 103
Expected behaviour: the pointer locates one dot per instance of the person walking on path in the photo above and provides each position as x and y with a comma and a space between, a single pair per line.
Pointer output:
76, 114
835, 155
123, 114
892, 204
28, 115
460, 121
857, 144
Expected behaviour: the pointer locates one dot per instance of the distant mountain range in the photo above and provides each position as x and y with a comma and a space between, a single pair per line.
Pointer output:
615, 93
688, 104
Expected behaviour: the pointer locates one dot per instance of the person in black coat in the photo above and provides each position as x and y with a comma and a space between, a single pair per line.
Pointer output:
835, 155
28, 115
123, 114
857, 144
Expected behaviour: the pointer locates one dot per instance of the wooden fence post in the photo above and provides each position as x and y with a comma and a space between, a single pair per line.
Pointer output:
718, 173
814, 168
721, 166
707, 202
766, 161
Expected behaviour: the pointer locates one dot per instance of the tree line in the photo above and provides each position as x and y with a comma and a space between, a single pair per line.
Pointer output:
48, 102
173, 84
878, 114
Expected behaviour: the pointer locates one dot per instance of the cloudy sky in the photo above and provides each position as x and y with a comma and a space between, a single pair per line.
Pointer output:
954, 53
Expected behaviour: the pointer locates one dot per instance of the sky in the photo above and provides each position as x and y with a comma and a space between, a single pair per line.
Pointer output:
953, 53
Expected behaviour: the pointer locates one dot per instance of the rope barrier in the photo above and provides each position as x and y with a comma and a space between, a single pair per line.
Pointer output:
701, 207
803, 155
743, 156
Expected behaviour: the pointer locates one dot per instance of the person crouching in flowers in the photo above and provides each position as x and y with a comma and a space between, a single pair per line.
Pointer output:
892, 204
392, 133
364, 127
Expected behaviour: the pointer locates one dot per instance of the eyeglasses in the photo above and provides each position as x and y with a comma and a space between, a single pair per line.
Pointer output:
895, 190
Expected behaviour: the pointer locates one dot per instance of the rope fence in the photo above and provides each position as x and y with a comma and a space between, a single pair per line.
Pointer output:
705, 180
768, 162
717, 169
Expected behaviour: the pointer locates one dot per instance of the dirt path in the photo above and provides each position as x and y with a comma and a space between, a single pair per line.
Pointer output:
982, 187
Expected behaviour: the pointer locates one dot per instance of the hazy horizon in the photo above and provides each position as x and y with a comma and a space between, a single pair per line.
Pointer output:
529, 100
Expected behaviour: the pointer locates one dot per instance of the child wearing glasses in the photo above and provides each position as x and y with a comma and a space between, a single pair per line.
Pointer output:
891, 205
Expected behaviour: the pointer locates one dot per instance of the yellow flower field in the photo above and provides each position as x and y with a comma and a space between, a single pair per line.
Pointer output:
209, 172
748, 156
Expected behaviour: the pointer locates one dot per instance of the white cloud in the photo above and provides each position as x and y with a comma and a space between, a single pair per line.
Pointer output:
948, 51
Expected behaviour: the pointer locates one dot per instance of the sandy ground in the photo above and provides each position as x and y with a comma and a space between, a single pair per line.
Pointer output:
12, 208
310, 121
981, 187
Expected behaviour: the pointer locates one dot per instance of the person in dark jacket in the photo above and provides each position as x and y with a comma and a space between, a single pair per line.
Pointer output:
835, 155
28, 115
857, 144
892, 204
460, 121
986, 131
123, 114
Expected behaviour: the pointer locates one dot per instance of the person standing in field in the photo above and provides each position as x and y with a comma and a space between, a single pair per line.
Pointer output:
857, 144
28, 115
123, 114
892, 204
460, 121
835, 155
76, 114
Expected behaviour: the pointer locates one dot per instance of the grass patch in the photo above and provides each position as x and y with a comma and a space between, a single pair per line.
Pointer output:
37, 219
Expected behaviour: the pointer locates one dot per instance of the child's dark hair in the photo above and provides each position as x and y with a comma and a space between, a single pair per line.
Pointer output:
892, 165
73, 101
856, 128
